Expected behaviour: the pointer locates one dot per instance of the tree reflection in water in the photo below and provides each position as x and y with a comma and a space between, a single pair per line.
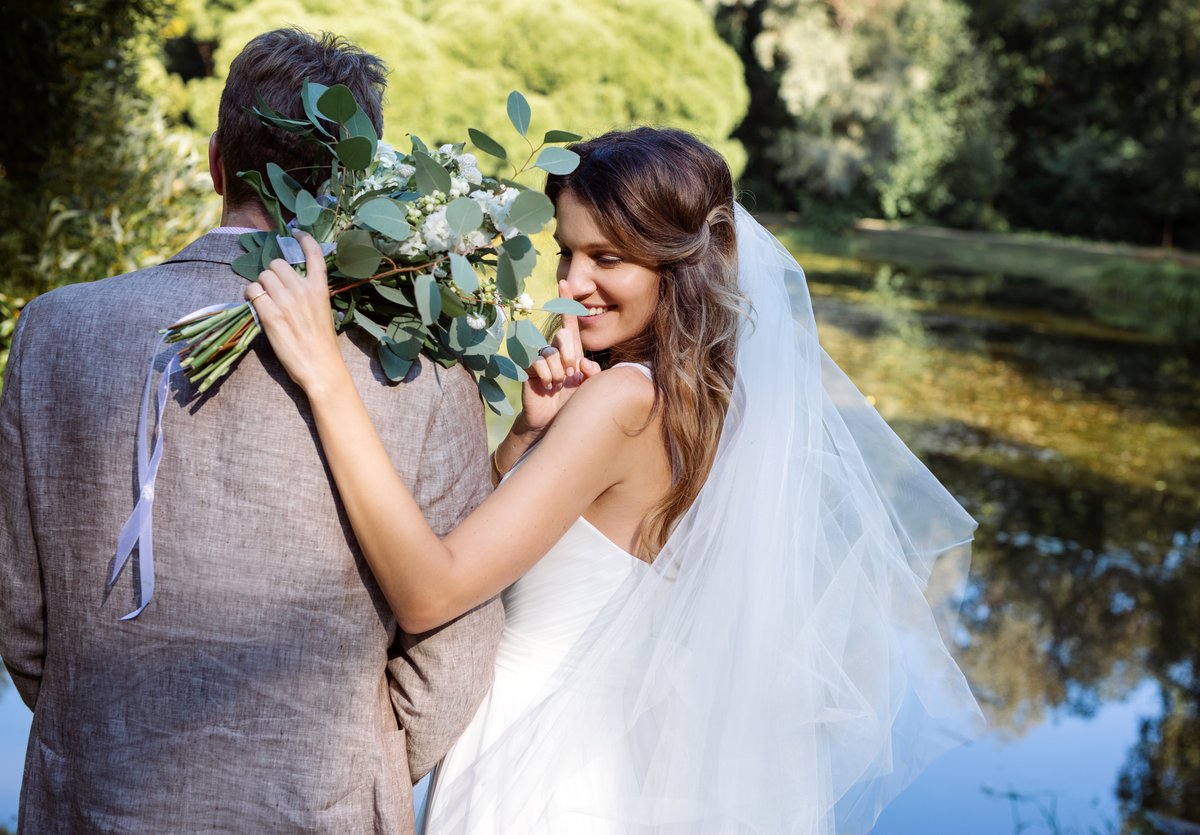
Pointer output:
1077, 447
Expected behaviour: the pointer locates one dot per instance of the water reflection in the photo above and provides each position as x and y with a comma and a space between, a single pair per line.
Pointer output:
1077, 447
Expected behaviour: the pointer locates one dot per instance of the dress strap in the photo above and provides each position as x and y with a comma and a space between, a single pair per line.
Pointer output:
645, 369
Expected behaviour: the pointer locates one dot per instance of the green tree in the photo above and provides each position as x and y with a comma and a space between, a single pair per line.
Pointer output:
1105, 115
878, 106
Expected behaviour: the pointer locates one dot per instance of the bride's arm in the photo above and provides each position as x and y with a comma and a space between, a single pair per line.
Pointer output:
429, 581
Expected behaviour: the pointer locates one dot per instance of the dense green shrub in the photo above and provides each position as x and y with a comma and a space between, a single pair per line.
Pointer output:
587, 65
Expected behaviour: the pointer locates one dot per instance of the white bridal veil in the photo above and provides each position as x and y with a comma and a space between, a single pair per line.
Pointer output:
782, 666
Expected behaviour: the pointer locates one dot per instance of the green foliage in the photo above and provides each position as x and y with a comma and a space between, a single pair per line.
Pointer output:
876, 106
590, 65
95, 182
1105, 116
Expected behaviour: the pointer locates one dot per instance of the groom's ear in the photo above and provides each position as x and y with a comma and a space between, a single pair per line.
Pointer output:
216, 165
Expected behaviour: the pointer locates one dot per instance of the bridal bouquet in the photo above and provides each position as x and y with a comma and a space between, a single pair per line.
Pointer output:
424, 253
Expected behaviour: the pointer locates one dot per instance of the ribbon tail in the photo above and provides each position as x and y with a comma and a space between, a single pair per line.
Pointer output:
139, 527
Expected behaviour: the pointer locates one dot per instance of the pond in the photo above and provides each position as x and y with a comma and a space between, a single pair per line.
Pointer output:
1077, 447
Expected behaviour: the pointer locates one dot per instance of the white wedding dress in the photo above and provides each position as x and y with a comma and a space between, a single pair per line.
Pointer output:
783, 666
546, 612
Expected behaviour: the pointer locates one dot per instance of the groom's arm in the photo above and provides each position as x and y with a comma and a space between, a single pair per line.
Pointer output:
22, 609
440, 677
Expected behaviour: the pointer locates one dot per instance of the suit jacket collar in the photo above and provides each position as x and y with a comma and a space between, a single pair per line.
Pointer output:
220, 248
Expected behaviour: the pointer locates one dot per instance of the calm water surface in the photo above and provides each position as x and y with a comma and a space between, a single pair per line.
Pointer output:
1077, 447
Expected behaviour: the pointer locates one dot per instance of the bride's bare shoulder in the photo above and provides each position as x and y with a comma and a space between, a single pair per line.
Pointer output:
624, 395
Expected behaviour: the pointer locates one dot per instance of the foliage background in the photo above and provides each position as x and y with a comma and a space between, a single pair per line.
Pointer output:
1056, 116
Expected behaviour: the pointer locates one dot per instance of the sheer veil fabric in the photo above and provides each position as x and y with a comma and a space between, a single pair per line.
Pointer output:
782, 666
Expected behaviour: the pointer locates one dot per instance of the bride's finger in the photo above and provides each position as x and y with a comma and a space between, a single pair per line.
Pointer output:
314, 262
568, 347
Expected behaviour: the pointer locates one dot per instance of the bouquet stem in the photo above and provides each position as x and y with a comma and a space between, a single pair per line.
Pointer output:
213, 342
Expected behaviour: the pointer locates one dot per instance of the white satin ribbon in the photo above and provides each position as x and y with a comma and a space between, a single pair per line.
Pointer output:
138, 529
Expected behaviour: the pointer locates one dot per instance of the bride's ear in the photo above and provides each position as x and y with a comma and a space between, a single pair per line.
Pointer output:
216, 165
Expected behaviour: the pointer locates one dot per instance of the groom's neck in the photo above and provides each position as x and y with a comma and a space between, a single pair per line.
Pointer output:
250, 217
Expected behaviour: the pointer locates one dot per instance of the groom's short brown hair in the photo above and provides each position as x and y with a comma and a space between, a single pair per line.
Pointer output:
274, 65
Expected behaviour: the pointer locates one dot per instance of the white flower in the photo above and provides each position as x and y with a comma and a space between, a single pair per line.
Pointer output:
468, 167
436, 231
523, 303
476, 240
496, 206
386, 155
477, 321
404, 171
459, 187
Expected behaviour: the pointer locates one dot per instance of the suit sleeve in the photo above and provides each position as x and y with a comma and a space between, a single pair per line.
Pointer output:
22, 607
440, 677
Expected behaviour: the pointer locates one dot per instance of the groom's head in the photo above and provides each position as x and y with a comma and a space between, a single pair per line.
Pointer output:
273, 66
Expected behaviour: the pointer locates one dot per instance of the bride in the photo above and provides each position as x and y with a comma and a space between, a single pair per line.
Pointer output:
726, 582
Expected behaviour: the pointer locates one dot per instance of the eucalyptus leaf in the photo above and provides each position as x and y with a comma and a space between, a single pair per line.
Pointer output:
560, 136
337, 104
356, 152
270, 203
463, 216
360, 125
322, 227
394, 366
429, 300
520, 354
418, 144
565, 307
356, 256
505, 367
486, 144
385, 216
522, 254
310, 92
249, 263
466, 340
463, 273
557, 160
270, 251
371, 327
493, 395
307, 209
407, 336
518, 112
530, 338
252, 240
507, 282
531, 211
452, 306
392, 294
431, 176
285, 186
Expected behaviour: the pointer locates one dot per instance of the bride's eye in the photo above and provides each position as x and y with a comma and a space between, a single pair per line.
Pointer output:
608, 260
564, 253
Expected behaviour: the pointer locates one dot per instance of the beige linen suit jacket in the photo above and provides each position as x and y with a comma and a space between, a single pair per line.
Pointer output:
266, 688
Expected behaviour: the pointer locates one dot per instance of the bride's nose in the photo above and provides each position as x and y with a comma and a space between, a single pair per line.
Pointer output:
578, 282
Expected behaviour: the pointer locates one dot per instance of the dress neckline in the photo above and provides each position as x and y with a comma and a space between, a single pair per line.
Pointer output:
608, 541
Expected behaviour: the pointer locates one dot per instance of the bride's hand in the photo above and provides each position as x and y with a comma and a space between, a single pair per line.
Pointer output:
555, 376
295, 313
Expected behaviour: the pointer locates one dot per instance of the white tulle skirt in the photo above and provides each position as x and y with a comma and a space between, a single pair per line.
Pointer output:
783, 665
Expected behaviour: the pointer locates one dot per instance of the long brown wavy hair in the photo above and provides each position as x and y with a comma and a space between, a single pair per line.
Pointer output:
666, 200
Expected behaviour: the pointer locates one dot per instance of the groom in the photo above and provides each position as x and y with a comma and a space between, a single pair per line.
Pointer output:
265, 688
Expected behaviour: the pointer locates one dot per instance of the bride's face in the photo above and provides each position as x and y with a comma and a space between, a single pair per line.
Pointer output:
619, 294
